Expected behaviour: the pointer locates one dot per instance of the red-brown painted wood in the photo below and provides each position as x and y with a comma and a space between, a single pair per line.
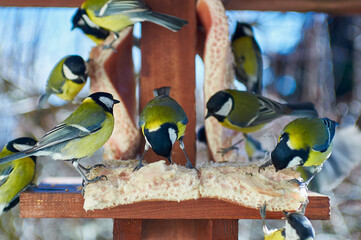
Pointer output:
168, 59
66, 201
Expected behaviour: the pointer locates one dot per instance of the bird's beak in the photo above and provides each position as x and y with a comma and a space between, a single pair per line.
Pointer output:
285, 213
116, 101
208, 115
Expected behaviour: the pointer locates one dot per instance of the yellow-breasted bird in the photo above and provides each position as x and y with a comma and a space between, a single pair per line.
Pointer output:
115, 15
163, 122
66, 79
304, 142
82, 21
297, 227
16, 175
78, 136
248, 58
248, 112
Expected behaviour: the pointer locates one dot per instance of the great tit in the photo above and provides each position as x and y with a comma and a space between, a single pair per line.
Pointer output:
163, 122
16, 175
254, 148
115, 15
79, 135
304, 142
66, 79
298, 227
248, 58
82, 21
248, 112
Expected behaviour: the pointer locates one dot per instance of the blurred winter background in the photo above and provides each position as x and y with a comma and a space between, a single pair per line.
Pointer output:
307, 56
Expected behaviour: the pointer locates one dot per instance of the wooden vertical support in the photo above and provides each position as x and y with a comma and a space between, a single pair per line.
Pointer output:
168, 59
127, 229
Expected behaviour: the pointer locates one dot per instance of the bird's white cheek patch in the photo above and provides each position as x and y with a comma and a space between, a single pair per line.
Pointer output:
107, 102
291, 232
172, 135
21, 147
225, 109
88, 21
296, 161
68, 73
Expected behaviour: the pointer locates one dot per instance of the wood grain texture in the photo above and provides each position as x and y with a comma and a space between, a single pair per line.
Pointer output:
327, 6
41, 3
168, 59
66, 201
127, 229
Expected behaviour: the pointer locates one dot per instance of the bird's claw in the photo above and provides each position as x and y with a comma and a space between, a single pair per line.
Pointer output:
139, 166
190, 166
109, 46
224, 151
99, 178
264, 165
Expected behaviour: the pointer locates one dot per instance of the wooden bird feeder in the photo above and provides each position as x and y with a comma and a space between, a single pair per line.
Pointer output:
168, 59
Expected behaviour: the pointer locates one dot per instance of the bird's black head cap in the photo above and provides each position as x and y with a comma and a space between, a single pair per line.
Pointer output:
21, 144
242, 29
77, 17
105, 100
283, 155
162, 139
76, 65
301, 224
215, 104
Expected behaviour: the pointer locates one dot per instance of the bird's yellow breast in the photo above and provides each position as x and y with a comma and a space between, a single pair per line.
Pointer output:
114, 23
245, 55
21, 176
87, 146
228, 124
70, 90
274, 235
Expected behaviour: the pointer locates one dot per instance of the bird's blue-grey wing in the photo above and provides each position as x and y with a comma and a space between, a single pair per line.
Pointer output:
67, 131
5, 173
114, 7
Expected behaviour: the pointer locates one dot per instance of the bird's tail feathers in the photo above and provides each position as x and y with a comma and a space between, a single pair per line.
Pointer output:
301, 109
172, 23
14, 156
161, 91
43, 99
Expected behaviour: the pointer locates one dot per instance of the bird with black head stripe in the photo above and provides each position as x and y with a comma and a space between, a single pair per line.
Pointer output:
66, 79
163, 122
79, 136
17, 175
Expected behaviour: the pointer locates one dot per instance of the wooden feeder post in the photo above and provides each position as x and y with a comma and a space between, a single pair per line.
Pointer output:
168, 59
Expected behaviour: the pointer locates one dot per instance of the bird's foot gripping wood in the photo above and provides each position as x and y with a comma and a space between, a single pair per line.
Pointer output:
110, 45
224, 151
77, 167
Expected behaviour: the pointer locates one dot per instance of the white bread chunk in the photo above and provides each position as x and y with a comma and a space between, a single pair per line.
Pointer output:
239, 184
244, 185
218, 75
155, 181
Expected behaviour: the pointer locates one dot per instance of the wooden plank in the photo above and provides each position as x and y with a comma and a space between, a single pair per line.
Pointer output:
67, 202
127, 229
41, 3
168, 59
332, 7
224, 229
